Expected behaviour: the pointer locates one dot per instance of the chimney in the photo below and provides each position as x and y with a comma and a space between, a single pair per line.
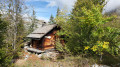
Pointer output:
43, 24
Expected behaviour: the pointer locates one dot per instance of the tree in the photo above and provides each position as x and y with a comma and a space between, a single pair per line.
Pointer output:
15, 28
14, 11
33, 25
51, 21
87, 4
85, 29
62, 18
16, 23
58, 12
5, 56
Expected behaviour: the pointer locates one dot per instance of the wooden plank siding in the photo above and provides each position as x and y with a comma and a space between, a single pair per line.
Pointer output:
45, 43
50, 42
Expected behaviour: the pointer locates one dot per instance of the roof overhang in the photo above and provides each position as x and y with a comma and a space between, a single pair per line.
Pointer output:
42, 31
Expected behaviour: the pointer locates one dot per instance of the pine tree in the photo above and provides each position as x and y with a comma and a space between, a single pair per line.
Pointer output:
15, 28
16, 22
58, 12
3, 27
33, 25
5, 56
51, 21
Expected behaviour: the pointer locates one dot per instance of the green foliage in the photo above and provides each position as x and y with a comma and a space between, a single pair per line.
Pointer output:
5, 56
77, 10
58, 11
3, 26
12, 35
61, 47
62, 19
33, 25
86, 27
51, 21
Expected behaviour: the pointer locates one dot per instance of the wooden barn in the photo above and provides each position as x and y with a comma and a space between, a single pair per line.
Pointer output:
44, 37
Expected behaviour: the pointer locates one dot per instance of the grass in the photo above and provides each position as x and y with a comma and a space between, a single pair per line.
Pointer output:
110, 60
67, 61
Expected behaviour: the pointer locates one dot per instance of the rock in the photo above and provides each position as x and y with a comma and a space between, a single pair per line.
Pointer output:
25, 48
117, 65
39, 56
49, 55
26, 57
96, 65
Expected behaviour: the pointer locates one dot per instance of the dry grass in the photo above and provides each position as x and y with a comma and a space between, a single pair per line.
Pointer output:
34, 61
42, 63
67, 61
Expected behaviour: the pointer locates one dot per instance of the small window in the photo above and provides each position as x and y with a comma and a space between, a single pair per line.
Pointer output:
48, 37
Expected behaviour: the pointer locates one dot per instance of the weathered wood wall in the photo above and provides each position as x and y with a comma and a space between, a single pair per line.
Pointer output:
45, 43
50, 42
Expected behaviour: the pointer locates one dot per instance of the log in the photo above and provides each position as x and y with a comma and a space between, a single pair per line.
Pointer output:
35, 50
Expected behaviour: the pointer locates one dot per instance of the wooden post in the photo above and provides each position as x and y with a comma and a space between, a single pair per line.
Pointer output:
42, 43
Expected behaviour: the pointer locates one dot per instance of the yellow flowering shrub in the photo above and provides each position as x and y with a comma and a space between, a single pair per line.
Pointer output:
94, 48
100, 47
86, 47
105, 45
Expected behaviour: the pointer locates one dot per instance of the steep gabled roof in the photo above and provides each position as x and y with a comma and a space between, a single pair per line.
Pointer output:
41, 31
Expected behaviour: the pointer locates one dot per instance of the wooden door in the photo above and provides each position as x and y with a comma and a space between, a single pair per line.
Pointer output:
36, 44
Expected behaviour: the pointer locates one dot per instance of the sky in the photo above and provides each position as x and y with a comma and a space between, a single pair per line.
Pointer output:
111, 5
44, 8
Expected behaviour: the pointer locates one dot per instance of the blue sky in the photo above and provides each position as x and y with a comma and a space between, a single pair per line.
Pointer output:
41, 9
44, 8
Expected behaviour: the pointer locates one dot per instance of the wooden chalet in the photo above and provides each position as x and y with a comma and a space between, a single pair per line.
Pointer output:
44, 37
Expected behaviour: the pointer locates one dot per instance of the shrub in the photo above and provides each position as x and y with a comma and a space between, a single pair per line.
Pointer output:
85, 28
61, 47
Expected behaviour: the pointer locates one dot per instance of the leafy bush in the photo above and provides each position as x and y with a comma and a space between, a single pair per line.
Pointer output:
5, 55
61, 47
85, 28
